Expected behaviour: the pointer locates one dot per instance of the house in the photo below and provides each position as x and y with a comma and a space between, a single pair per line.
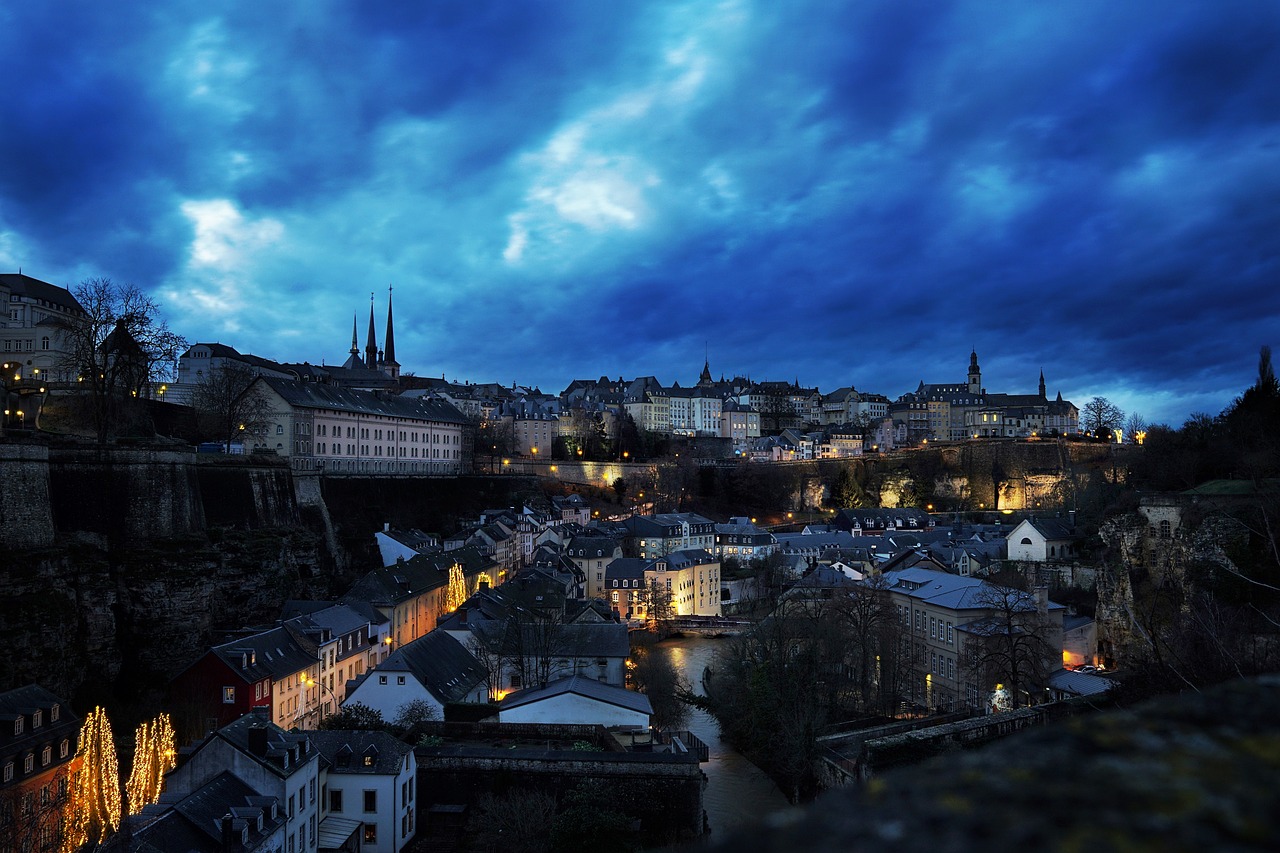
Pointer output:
436, 669
577, 700
395, 544
572, 508
743, 540
413, 595
592, 554
1042, 539
263, 670
38, 740
369, 779
224, 815
270, 761
656, 535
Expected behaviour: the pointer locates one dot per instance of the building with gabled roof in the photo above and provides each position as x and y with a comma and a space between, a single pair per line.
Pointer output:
1043, 539
38, 756
269, 760
413, 595
336, 430
369, 778
575, 700
436, 669
224, 815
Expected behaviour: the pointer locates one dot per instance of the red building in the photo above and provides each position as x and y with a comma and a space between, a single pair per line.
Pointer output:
224, 684
37, 760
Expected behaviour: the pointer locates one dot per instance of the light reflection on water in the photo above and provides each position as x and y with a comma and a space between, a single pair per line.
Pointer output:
738, 793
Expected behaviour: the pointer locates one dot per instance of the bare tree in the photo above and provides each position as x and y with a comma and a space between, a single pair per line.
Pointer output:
1134, 426
1100, 414
1013, 645
117, 349
229, 405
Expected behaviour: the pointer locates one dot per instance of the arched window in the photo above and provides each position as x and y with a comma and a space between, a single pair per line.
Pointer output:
1025, 541
1165, 529
44, 342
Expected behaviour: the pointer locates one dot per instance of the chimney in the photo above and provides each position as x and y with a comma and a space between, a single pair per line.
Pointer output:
228, 833
1042, 600
1071, 518
258, 740
386, 527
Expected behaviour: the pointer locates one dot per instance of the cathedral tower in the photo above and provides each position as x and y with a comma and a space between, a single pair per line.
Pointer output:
975, 374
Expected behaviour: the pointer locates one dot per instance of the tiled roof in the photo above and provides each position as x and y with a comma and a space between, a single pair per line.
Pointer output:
34, 288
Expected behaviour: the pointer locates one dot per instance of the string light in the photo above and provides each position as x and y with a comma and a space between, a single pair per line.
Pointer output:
95, 788
153, 756
457, 592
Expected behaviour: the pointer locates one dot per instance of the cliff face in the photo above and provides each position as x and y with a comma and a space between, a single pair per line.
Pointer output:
120, 566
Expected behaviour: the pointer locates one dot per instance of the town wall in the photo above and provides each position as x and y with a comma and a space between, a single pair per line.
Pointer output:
26, 518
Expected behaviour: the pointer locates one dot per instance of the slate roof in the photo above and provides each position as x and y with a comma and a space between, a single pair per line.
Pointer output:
294, 746
593, 547
33, 288
274, 654
1079, 683
581, 686
1053, 529
389, 751
631, 568
194, 823
440, 664
310, 395
677, 560
422, 573
947, 590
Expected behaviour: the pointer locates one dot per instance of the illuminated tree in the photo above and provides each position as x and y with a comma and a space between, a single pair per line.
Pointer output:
153, 756
95, 790
457, 592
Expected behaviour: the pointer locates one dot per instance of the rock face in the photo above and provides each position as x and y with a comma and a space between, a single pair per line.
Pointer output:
119, 566
1194, 772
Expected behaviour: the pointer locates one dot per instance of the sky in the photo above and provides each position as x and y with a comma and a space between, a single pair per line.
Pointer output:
852, 193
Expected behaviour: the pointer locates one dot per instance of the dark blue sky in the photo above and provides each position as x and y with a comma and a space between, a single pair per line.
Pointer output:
847, 193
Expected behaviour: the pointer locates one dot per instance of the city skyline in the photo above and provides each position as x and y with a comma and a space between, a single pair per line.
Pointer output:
843, 195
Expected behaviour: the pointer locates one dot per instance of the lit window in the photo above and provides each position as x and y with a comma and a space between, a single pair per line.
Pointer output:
228, 695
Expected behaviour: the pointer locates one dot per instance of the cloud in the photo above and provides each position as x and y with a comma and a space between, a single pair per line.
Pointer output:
851, 193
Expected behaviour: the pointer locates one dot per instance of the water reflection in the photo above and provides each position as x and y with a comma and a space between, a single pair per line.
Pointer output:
738, 793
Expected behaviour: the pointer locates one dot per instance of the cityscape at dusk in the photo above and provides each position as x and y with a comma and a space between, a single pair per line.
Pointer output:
836, 193
566, 426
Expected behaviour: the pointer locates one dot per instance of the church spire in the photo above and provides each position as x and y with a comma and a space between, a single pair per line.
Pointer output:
1042, 394
389, 362
355, 347
371, 344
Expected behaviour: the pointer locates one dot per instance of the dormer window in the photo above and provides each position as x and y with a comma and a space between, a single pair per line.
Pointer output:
37, 718
53, 714
17, 724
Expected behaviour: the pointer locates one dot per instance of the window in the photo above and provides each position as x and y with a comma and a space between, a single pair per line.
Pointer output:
53, 714
382, 679
291, 805
8, 771
279, 429
64, 749
370, 833
951, 634
400, 679
228, 696
312, 798
46, 755
37, 719
371, 801
335, 801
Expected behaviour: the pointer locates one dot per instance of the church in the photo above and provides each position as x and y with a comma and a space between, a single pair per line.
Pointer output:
955, 412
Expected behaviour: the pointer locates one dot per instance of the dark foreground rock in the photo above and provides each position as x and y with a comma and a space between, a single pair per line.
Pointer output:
1196, 772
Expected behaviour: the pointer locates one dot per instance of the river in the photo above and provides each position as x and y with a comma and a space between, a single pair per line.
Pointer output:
738, 793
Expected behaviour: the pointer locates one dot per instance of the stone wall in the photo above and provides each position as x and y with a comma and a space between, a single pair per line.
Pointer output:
26, 518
